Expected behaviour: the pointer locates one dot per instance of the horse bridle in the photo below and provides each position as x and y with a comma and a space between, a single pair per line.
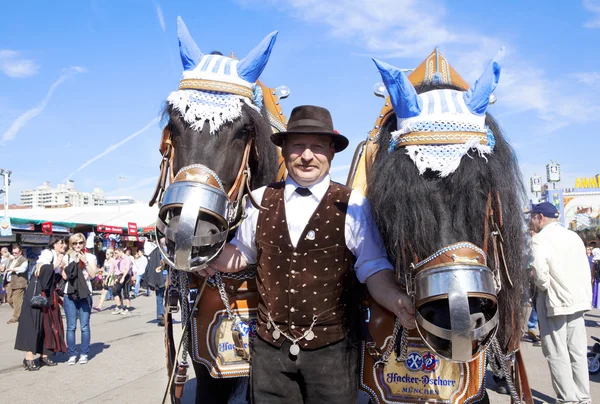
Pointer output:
198, 189
457, 272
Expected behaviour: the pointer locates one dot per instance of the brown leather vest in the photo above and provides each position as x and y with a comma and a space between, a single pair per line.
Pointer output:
312, 279
18, 281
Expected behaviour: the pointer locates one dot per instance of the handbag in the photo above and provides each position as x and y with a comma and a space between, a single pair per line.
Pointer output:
38, 301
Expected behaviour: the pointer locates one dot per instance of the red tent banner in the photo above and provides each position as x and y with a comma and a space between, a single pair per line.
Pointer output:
132, 230
109, 229
148, 229
47, 227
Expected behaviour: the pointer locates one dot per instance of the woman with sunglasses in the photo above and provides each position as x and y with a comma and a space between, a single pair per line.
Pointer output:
79, 268
41, 328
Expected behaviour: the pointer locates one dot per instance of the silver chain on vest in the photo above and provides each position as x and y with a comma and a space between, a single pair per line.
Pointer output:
308, 335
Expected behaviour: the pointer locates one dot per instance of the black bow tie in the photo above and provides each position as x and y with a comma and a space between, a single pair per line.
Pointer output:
303, 191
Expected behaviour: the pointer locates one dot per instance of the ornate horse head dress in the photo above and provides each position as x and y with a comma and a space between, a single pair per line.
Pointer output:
436, 195
216, 137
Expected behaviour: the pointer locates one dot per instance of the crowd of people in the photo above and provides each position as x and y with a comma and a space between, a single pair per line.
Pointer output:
63, 279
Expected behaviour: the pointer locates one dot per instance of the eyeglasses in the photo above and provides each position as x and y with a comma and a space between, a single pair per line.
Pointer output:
78, 243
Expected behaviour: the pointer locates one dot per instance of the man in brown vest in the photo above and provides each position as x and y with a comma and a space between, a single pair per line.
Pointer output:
17, 270
306, 244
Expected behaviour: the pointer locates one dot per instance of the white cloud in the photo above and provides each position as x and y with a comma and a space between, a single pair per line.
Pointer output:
593, 6
113, 147
587, 78
408, 28
13, 65
161, 18
396, 29
27, 116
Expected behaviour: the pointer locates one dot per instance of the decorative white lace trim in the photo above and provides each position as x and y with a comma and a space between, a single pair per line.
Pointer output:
197, 107
444, 159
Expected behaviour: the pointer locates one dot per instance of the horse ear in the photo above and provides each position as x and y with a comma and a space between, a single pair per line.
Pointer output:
478, 96
403, 95
188, 49
250, 67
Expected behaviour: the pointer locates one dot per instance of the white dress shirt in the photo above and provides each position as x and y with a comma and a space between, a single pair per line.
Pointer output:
361, 234
20, 269
141, 264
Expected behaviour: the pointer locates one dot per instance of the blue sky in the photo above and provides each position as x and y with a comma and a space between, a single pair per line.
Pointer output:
82, 82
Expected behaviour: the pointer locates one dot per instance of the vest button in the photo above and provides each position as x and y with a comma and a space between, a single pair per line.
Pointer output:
293, 291
292, 310
293, 272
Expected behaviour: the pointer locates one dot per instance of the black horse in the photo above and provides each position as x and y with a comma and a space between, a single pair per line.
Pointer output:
217, 139
429, 191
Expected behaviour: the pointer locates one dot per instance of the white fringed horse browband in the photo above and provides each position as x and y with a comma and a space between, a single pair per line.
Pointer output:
197, 107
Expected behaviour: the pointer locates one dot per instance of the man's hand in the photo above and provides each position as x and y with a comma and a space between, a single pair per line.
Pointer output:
230, 260
386, 291
405, 310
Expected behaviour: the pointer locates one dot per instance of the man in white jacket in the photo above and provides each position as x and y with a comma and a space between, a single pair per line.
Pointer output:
562, 277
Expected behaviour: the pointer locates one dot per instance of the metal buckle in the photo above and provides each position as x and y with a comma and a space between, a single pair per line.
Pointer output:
192, 298
173, 301
373, 350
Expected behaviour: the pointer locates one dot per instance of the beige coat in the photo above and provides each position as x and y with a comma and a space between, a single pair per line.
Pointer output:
562, 270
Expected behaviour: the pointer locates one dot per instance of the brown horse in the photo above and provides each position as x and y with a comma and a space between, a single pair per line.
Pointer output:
216, 149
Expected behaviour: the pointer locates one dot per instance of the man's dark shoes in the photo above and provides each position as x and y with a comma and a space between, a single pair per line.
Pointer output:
161, 321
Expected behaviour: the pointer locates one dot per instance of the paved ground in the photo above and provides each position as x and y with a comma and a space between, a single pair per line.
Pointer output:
127, 364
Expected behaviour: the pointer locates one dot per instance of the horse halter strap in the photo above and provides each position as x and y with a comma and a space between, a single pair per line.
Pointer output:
197, 189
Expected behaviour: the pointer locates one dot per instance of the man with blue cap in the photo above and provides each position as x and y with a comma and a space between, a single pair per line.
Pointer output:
562, 277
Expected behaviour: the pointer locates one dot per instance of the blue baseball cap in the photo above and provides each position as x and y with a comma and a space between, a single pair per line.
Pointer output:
545, 208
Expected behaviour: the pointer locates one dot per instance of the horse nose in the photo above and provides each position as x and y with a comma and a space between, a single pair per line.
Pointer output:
206, 225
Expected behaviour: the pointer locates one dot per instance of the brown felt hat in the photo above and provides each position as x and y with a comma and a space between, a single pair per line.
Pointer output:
311, 120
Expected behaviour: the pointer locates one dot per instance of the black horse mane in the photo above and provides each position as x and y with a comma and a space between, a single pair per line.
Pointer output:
419, 214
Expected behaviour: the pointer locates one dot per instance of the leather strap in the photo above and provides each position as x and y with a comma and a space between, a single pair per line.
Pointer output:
180, 379
166, 165
169, 342
282, 170
239, 345
360, 149
523, 380
486, 225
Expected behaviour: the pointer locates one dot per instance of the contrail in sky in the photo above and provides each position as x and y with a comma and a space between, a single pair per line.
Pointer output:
28, 115
113, 147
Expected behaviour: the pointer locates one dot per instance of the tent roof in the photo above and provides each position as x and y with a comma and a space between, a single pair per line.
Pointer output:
139, 213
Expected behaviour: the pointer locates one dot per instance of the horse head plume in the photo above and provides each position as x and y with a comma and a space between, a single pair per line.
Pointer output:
438, 127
